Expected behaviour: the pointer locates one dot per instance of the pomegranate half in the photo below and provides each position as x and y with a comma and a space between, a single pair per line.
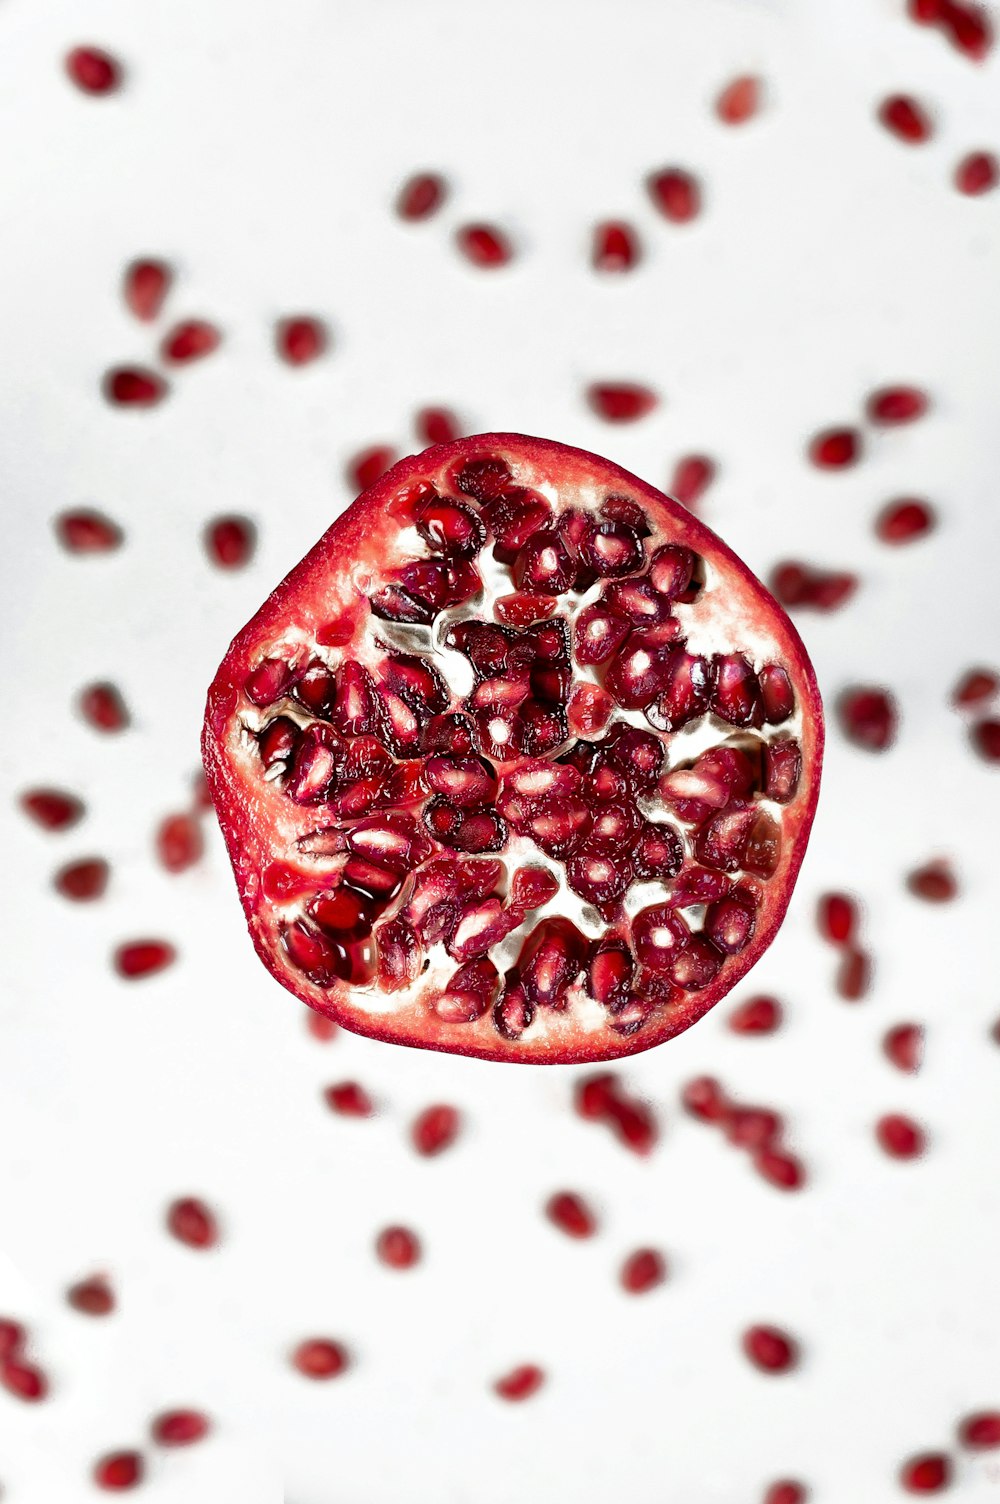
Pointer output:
519, 762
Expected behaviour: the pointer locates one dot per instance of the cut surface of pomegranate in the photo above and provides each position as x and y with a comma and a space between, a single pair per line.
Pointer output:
519, 762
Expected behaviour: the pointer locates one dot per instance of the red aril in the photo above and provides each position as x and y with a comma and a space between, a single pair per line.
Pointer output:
896, 404
740, 100
484, 245
854, 975
835, 448
621, 401
102, 707
837, 917
571, 1214
977, 173
798, 584
82, 881
868, 717
230, 541
92, 1297
191, 340
906, 118
191, 1221
383, 770
437, 425
615, 247
676, 193
370, 465
143, 958
779, 1168
770, 1349
985, 738
785, 1491
179, 1428
757, 1015
349, 1100
134, 386
903, 1045
934, 882
118, 1471
421, 196
300, 339
693, 474
435, 1129
398, 1247
52, 809
976, 688
927, 1473
145, 287
179, 842
84, 531
981, 1431
93, 70
320, 1358
642, 1271
520, 1383
12, 1337
900, 1136
904, 520
23, 1380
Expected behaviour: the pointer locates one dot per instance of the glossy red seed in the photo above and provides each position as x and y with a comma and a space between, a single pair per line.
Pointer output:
12, 1337
928, 1473
92, 1297
179, 1428
349, 1100
398, 1247
676, 194
23, 1380
52, 809
230, 541
145, 287
102, 707
934, 882
976, 687
903, 1045
118, 1471
693, 474
986, 740
740, 100
906, 118
82, 881
132, 386
980, 1431
571, 1214
798, 584
704, 1099
757, 1015
900, 1136
785, 1491
320, 1358
179, 842
977, 173
93, 70
904, 521
770, 1349
192, 1222
621, 401
891, 405
370, 465
300, 339
484, 245
437, 425
320, 1027
615, 247
143, 958
837, 917
868, 717
779, 1168
421, 196
520, 1383
191, 340
854, 975
642, 1271
83, 531
835, 448
435, 1129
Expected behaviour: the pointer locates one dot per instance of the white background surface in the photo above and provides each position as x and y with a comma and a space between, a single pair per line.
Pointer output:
259, 150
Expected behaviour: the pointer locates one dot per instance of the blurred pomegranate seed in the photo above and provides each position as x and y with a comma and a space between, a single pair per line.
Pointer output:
986, 740
349, 1100
868, 717
435, 1129
102, 707
934, 882
905, 118
23, 1380
92, 1297
740, 100
119, 1470
320, 1027
83, 531
896, 404
421, 196
398, 1247
12, 1337
192, 1222
82, 881
929, 1473
615, 247
230, 541
903, 1045
520, 1383
93, 70
786, 1491
131, 386
483, 245
571, 1214
837, 917
900, 1136
676, 193
190, 340
780, 1169
977, 173
904, 520
437, 425
179, 1428
299, 340
969, 29
770, 1349
835, 448
143, 958
621, 401
642, 1271
975, 687
980, 1431
145, 287
370, 465
179, 842
854, 976
633, 1124
757, 1015
594, 1095
704, 1099
52, 809
797, 584
693, 474
320, 1358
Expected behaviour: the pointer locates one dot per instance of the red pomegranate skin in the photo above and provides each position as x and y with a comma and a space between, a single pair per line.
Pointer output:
262, 825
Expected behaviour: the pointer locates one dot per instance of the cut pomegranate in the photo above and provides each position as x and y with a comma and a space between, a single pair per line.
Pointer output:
191, 1221
927, 1473
92, 1297
484, 245
616, 247
935, 882
52, 809
145, 287
84, 531
398, 1247
740, 100
904, 520
191, 340
435, 1130
896, 404
421, 196
797, 584
93, 70
118, 1471
770, 1349
642, 1271
520, 1383
906, 118
571, 1214
621, 401
676, 194
82, 881
835, 448
320, 1358
179, 1428
981, 1431
904, 1046
977, 173
868, 717
426, 700
132, 386
230, 541
900, 1136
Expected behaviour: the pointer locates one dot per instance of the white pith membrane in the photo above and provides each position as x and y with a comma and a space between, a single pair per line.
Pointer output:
719, 619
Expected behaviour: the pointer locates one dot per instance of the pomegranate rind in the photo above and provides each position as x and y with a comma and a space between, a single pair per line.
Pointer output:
260, 824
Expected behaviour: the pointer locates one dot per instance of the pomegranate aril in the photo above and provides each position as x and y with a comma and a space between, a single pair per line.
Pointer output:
92, 1297
145, 287
23, 1380
450, 527
191, 340
420, 197
757, 1015
837, 917
615, 247
93, 70
370, 465
903, 1045
320, 1358
835, 448
179, 842
102, 707
82, 881
781, 1170
985, 740
770, 1349
551, 959
52, 809
12, 1337
313, 776
976, 688
980, 1431
84, 531
740, 100
484, 245
659, 852
621, 401
854, 975
520, 1383
521, 608
935, 882
927, 1473
633, 1124
896, 404
676, 194
398, 1248
692, 476
722, 843
192, 1222
642, 1271
906, 118
118, 1471
230, 541
599, 633
437, 425
484, 479
671, 569
571, 1214
782, 770
730, 925
440, 583
609, 550
658, 933
589, 710
751, 1127
688, 692
544, 565
435, 1129
977, 173
777, 693
132, 386
797, 584
900, 1136
143, 958
349, 1100
786, 1491
513, 1012
268, 681
472, 990
737, 697
179, 1428
697, 965
300, 340
868, 717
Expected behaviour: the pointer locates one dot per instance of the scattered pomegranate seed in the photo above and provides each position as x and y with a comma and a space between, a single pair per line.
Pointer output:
868, 717
421, 196
770, 1349
798, 584
835, 448
571, 1214
896, 404
230, 541
786, 1491
740, 100
179, 1428
976, 687
143, 958
704, 1099
676, 194
301, 339
904, 520
780, 1169
934, 882
179, 842
349, 1099
905, 118
82, 881
370, 465
621, 401
642, 1271
484, 245
615, 248
12, 1337
145, 287
437, 425
986, 740
191, 340
837, 917
967, 27
320, 1358
23, 1380
977, 173
757, 1015
119, 1470
521, 1383
929, 1473
693, 474
83, 531
900, 1136
102, 707
594, 1096
980, 1431
903, 1045
131, 386
93, 70
435, 1129
191, 1221
320, 1027
398, 1247
854, 975
92, 1297
52, 809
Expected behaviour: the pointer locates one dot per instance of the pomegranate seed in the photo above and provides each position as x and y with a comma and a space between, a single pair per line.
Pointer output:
770, 1349
621, 402
928, 1473
740, 100
398, 1247
132, 386
797, 584
421, 196
905, 118
190, 340
82, 881
977, 173
868, 717
300, 339
986, 740
594, 1096
52, 809
676, 194
179, 842
87, 532
896, 404
934, 882
693, 474
230, 541
980, 1431
437, 425
102, 707
118, 1471
835, 448
143, 958
435, 1129
976, 687
786, 1491
320, 1027
758, 1015
571, 1214
854, 975
92, 1297
779, 1169
520, 1383
145, 287
93, 70
704, 1099
12, 1337
903, 1045
483, 245
837, 917
190, 1221
370, 465
179, 1428
616, 247
643, 1270
904, 520
23, 1380
349, 1100
320, 1358
900, 1136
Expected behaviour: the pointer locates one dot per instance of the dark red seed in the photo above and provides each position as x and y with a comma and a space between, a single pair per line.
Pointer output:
621, 401
12, 1337
758, 1015
935, 882
615, 248
642, 1271
179, 1428
900, 1136
976, 687
93, 70
837, 917
904, 520
798, 584
192, 1222
595, 1096
980, 1431
484, 245
904, 1046
145, 287
676, 193
370, 465
927, 1473
230, 541
905, 117
92, 1297
349, 1100
102, 707
977, 173
421, 196
770, 1349
23, 1380
986, 740
835, 448
854, 975
52, 809
896, 404
704, 1099
83, 531
118, 1471
520, 1383
143, 958
320, 1358
571, 1214
132, 386
82, 881
785, 1491
693, 474
779, 1168
191, 340
398, 1247
435, 1129
437, 425
868, 717
179, 842
300, 339
740, 100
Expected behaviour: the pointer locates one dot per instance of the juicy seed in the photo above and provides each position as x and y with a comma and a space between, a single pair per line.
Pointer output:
977, 173
757, 1015
642, 1271
868, 717
571, 1214
837, 918
905, 520
179, 843
143, 958
102, 707
621, 401
786, 1491
179, 1428
485, 246
133, 386
320, 1358
928, 1473
906, 118
192, 1222
676, 194
191, 340
770, 1349
934, 882
52, 809
87, 532
435, 1129
615, 247
437, 425
230, 541
835, 448
854, 975
92, 1297
976, 687
300, 340
693, 474
398, 1248
980, 1431
520, 1383
900, 1136
896, 404
82, 881
798, 584
421, 196
145, 287
93, 70
903, 1046
740, 100
986, 740
118, 1471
